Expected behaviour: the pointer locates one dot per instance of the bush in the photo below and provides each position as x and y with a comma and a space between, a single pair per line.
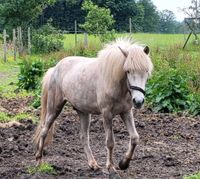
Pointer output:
194, 104
31, 71
1, 37
37, 95
168, 91
38, 89
47, 39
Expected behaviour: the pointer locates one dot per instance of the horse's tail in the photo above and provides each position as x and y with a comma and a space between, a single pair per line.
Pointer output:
44, 98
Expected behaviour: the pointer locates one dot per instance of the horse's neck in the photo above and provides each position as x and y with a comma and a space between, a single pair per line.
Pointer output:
117, 88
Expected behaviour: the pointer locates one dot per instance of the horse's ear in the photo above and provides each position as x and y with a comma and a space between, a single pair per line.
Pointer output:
124, 52
146, 50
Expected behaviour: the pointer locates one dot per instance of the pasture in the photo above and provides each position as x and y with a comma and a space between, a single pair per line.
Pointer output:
169, 143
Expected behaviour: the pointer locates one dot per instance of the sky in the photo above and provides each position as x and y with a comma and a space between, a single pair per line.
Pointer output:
173, 5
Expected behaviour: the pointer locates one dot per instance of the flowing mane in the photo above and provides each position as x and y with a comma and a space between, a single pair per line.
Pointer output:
115, 64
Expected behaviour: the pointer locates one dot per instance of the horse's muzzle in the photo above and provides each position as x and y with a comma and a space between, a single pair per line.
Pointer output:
138, 103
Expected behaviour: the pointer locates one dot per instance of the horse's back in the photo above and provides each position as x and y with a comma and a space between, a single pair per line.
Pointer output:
74, 61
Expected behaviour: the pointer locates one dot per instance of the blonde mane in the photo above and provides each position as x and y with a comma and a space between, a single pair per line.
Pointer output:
115, 64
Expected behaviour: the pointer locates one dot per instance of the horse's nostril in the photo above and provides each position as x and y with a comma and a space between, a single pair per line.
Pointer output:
138, 103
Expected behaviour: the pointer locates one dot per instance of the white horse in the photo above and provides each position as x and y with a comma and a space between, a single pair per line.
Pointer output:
109, 85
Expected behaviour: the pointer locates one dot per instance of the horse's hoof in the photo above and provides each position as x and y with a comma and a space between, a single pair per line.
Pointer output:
38, 160
123, 165
94, 166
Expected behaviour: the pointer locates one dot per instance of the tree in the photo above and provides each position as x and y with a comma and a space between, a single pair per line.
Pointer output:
167, 22
151, 16
98, 20
122, 10
15, 13
193, 11
63, 14
193, 20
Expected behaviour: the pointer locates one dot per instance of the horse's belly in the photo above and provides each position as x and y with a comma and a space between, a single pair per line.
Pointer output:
82, 96
87, 108
83, 103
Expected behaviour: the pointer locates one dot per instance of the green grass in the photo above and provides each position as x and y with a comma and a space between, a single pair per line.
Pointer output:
5, 117
43, 168
153, 40
194, 176
8, 80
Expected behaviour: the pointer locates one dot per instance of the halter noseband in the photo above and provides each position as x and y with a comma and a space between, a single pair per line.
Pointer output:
136, 88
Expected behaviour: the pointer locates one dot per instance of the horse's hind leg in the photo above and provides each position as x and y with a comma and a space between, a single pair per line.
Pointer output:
55, 104
84, 135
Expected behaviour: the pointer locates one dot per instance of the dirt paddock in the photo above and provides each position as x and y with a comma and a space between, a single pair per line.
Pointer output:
169, 147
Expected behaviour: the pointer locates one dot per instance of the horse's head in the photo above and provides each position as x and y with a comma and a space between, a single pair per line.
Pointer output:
138, 67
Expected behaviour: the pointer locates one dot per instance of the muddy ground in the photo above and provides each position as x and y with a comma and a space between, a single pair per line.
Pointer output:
168, 148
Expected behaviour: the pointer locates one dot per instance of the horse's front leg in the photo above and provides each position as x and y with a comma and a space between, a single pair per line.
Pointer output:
84, 135
134, 139
107, 123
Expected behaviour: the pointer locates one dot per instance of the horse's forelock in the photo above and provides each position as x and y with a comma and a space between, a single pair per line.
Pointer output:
115, 64
138, 60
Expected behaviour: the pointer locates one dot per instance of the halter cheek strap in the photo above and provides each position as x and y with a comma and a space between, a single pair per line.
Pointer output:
138, 89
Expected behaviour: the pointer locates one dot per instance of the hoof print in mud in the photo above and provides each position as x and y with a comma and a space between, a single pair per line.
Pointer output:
170, 161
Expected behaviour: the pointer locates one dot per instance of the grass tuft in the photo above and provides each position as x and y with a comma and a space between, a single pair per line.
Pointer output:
194, 176
43, 168
5, 117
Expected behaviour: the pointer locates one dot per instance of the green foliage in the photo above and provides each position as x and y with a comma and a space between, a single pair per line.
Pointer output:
4, 117
31, 71
144, 14
167, 22
168, 91
1, 37
43, 168
21, 13
150, 19
98, 20
108, 36
37, 96
194, 108
47, 39
194, 176
38, 90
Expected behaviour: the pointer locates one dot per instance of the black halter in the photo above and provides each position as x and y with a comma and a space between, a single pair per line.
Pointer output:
137, 89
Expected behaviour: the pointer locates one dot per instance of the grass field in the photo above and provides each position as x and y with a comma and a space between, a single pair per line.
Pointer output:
153, 40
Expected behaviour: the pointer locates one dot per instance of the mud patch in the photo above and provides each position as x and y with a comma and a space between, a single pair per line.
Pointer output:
168, 148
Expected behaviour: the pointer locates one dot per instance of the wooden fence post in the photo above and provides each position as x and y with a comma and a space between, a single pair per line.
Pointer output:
29, 40
5, 45
18, 39
75, 29
20, 42
130, 25
14, 44
85, 40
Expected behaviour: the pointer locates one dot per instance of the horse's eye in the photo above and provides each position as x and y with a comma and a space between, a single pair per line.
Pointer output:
128, 71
